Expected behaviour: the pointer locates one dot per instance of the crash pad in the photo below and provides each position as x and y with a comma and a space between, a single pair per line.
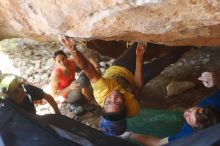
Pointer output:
156, 122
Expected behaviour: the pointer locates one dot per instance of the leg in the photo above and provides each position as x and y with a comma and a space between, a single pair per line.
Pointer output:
155, 67
83, 80
128, 58
87, 90
74, 96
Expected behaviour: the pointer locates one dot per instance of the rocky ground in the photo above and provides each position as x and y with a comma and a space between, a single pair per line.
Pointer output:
175, 88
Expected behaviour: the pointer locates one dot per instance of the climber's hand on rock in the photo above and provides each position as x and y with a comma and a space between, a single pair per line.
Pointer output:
141, 49
68, 42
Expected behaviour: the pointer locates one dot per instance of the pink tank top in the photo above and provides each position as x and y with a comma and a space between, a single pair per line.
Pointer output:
66, 80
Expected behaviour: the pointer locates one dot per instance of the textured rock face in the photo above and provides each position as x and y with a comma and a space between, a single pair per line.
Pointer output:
172, 22
177, 87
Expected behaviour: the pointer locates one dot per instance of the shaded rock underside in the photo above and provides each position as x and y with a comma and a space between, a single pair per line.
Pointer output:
171, 22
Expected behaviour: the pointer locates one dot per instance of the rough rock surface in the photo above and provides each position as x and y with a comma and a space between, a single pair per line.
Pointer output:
172, 22
188, 68
177, 87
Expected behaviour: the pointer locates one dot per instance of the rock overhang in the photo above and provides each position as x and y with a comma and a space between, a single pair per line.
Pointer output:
170, 22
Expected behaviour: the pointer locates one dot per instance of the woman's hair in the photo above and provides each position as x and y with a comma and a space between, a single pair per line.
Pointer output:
59, 52
207, 117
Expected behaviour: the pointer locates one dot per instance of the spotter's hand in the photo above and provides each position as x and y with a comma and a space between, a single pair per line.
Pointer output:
208, 79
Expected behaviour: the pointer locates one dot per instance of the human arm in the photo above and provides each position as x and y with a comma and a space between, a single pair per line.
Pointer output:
209, 79
52, 102
154, 141
80, 60
55, 87
139, 74
96, 65
87, 90
36, 93
88, 93
146, 140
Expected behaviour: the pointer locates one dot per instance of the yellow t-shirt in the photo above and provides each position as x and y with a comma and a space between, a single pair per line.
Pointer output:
120, 78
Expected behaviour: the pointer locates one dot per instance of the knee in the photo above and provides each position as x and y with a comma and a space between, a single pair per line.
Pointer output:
74, 96
83, 80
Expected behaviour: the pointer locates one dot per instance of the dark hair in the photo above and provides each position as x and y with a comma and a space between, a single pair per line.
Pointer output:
207, 117
114, 116
59, 52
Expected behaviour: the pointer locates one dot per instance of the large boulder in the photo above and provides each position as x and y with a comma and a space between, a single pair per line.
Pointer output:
172, 22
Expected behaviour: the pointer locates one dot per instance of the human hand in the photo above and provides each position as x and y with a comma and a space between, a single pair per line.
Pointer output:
68, 42
74, 85
40, 102
208, 79
126, 135
43, 101
141, 49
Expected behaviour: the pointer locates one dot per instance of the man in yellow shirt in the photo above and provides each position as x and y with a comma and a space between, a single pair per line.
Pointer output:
118, 90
